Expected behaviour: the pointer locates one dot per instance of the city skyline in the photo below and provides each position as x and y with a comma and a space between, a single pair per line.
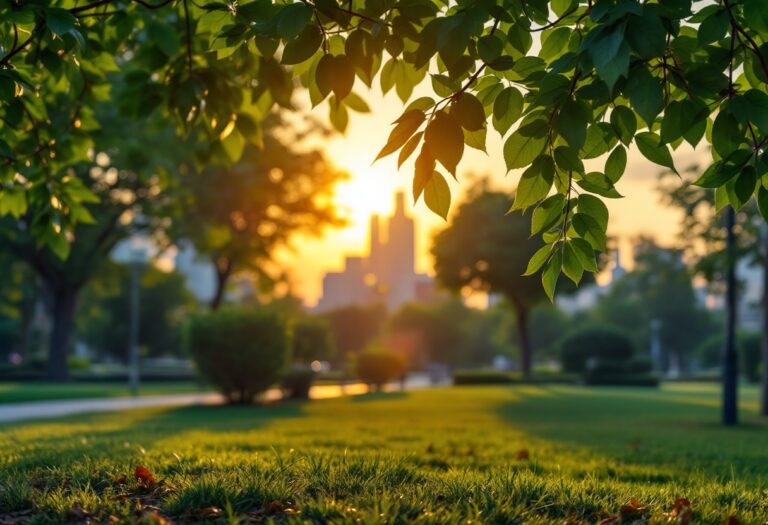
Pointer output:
371, 187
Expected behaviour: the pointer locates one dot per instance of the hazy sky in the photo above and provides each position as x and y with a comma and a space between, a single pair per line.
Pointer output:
371, 189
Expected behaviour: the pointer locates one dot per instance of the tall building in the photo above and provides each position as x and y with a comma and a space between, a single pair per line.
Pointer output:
387, 274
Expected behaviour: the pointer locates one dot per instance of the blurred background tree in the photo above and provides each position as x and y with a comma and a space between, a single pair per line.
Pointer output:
104, 312
238, 216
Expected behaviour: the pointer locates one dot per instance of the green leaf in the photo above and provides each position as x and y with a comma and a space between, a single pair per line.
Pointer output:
507, 109
409, 148
568, 160
645, 93
726, 135
303, 47
572, 267
762, 202
339, 116
598, 183
745, 184
609, 52
589, 230
551, 273
616, 164
437, 195
595, 208
652, 149
535, 183
60, 21
424, 167
624, 123
756, 14
572, 120
13, 201
752, 106
720, 172
646, 35
519, 38
476, 139
355, 103
445, 140
489, 47
233, 145
585, 253
713, 28
405, 128
537, 260
553, 41
680, 117
520, 150
58, 244
468, 111
292, 19
168, 41
547, 214
600, 138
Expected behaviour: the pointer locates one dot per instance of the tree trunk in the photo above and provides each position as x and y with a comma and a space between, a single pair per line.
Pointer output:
764, 334
730, 364
64, 302
526, 352
223, 271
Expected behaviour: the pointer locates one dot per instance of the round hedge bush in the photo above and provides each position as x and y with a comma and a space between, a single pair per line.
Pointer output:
709, 353
241, 352
378, 367
594, 343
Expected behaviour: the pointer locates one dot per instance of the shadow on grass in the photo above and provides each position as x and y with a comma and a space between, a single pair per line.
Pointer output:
634, 426
379, 396
70, 439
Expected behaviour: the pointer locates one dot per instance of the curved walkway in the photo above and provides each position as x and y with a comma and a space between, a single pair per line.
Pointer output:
12, 412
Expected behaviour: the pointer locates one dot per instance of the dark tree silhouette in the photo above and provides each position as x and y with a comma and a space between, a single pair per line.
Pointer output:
486, 250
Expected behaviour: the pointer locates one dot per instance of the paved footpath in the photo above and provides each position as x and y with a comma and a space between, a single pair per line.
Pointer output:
57, 408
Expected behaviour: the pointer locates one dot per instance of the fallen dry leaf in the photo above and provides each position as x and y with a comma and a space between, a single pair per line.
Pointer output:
682, 511
77, 513
154, 518
122, 479
143, 474
632, 508
209, 512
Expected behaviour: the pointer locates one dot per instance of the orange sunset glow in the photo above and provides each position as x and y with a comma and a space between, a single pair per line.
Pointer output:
372, 186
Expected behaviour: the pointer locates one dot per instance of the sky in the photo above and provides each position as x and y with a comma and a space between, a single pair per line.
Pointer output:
372, 187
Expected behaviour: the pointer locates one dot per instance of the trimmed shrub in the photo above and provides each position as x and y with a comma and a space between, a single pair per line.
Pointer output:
297, 381
312, 339
483, 377
621, 379
378, 367
634, 365
710, 351
241, 352
635, 371
594, 343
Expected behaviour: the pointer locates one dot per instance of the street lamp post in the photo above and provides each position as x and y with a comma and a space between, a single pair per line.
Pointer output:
138, 258
729, 357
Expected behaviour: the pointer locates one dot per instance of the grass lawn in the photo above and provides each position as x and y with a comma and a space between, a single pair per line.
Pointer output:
33, 391
513, 454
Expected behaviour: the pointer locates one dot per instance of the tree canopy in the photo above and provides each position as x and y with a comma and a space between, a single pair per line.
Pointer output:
484, 250
563, 81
